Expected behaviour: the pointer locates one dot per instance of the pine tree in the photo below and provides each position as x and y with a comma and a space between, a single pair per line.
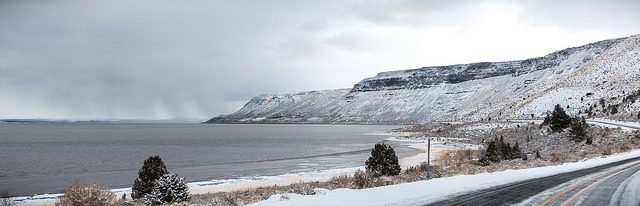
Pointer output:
559, 119
152, 169
168, 189
516, 151
506, 152
383, 161
499, 147
492, 152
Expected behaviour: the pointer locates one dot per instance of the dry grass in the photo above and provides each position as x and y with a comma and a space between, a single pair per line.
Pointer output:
81, 194
457, 157
359, 180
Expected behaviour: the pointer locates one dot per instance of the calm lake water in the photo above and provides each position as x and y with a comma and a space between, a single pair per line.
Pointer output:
42, 158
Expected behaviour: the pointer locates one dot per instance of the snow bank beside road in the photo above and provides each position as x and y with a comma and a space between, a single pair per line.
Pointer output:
436, 189
626, 126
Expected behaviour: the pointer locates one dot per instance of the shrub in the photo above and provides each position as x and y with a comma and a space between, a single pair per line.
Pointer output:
341, 181
5, 200
152, 169
362, 179
168, 189
80, 194
538, 156
579, 129
614, 110
383, 161
559, 157
455, 157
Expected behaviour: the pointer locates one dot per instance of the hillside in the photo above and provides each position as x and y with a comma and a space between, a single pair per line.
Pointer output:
576, 78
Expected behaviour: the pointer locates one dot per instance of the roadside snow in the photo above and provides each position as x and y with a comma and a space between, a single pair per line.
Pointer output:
625, 126
427, 191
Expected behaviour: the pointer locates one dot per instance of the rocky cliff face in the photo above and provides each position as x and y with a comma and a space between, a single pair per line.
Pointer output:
452, 74
513, 89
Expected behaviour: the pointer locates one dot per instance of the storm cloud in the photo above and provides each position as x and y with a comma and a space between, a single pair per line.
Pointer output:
197, 59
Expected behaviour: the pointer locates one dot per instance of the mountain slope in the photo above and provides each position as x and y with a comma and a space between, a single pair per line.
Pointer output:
577, 77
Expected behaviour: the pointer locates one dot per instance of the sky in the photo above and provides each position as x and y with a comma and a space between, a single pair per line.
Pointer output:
167, 59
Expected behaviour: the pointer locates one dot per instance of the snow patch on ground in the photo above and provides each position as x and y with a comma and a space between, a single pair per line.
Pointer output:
427, 191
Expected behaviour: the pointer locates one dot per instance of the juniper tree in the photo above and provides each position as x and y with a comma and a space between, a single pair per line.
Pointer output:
499, 147
516, 151
152, 169
169, 188
579, 129
506, 152
383, 161
492, 152
559, 119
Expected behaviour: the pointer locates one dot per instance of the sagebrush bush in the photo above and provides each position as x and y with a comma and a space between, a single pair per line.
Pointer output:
362, 179
168, 189
5, 200
152, 169
383, 161
80, 194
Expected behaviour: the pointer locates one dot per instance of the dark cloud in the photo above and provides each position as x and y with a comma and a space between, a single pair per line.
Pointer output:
141, 59
196, 59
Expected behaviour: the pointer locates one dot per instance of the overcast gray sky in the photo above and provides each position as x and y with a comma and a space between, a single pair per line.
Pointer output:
156, 59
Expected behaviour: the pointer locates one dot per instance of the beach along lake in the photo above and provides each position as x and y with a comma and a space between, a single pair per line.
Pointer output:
42, 158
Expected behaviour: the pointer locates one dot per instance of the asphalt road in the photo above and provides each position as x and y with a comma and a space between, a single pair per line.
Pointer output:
611, 184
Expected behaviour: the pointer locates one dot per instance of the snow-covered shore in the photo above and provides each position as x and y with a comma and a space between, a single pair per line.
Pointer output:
422, 192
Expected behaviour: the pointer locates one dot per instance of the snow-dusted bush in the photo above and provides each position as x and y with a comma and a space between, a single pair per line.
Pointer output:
5, 200
383, 161
167, 189
362, 179
152, 169
80, 194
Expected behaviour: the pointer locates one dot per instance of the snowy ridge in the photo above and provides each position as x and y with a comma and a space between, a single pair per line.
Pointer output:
576, 77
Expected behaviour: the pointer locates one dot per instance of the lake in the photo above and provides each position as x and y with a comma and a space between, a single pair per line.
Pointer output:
42, 158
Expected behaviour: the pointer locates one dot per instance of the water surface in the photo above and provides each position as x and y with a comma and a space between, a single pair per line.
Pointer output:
42, 158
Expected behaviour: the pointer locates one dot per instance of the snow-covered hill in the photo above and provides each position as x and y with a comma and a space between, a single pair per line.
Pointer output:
575, 77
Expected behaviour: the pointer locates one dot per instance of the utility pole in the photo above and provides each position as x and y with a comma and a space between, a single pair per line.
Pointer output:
429, 158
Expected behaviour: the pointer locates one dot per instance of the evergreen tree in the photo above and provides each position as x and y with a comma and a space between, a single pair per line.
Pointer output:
538, 155
578, 129
516, 151
152, 169
614, 110
383, 161
559, 119
499, 147
506, 152
168, 189
492, 152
